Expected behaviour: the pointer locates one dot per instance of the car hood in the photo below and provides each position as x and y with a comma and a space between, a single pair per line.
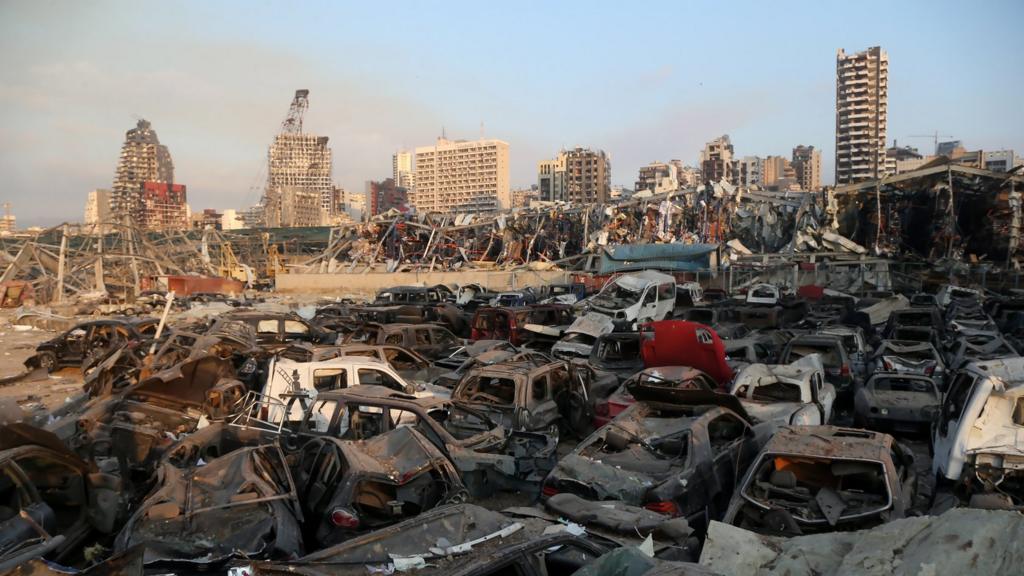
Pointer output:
608, 482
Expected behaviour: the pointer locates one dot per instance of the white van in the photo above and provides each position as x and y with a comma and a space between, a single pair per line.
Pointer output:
635, 298
290, 377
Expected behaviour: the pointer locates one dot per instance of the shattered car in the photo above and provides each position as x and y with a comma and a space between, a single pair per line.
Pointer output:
634, 298
275, 328
977, 441
407, 363
51, 501
91, 341
978, 347
909, 357
897, 401
242, 504
431, 341
812, 479
579, 338
786, 393
348, 487
617, 353
683, 343
513, 324
677, 452
524, 396
838, 368
482, 353
681, 377
487, 455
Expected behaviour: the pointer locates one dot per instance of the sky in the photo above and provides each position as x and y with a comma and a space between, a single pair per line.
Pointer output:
644, 81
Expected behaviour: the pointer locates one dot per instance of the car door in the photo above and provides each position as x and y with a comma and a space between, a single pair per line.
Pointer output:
824, 395
944, 432
648, 305
75, 343
542, 408
729, 438
268, 331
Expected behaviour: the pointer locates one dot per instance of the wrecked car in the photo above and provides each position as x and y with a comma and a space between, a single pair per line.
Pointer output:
524, 396
431, 341
978, 347
617, 353
510, 323
274, 328
488, 456
634, 298
91, 341
681, 377
897, 401
348, 487
407, 363
51, 501
483, 353
677, 452
579, 338
977, 442
786, 393
838, 368
682, 343
812, 479
242, 504
909, 357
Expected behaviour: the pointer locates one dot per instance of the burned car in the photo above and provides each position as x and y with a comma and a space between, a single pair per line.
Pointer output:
786, 393
276, 328
91, 341
51, 501
243, 504
977, 441
348, 487
482, 353
488, 456
973, 346
680, 377
431, 341
838, 367
677, 452
897, 401
617, 353
524, 396
579, 338
812, 479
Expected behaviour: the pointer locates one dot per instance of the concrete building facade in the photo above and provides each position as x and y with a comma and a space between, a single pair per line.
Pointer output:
862, 94
462, 176
301, 162
716, 160
776, 168
97, 207
657, 177
585, 176
164, 207
807, 167
385, 195
143, 159
403, 163
750, 171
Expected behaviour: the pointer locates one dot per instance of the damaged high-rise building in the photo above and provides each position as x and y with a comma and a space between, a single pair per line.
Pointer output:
300, 187
716, 161
579, 175
862, 94
143, 159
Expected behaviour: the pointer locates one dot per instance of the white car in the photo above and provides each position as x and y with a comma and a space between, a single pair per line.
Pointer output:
635, 298
978, 439
795, 393
287, 377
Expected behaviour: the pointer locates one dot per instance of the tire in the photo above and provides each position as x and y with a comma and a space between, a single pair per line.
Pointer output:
47, 361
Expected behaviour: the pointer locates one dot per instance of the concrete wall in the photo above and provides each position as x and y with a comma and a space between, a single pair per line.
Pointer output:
368, 284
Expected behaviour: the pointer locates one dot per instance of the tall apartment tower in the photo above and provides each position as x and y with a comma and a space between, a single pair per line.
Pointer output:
807, 165
300, 191
580, 175
862, 93
402, 163
462, 176
143, 159
716, 161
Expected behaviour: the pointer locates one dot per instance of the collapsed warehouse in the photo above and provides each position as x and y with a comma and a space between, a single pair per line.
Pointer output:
725, 373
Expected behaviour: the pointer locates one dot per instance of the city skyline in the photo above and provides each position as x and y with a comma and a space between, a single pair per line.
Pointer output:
217, 92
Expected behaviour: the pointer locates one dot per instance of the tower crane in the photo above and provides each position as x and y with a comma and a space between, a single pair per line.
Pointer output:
935, 139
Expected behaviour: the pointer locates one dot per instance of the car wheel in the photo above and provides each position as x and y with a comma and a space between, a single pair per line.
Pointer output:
47, 361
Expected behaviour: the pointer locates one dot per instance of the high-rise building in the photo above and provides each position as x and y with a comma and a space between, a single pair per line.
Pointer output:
231, 220
299, 169
750, 171
776, 168
163, 207
97, 207
902, 159
384, 196
402, 164
462, 176
862, 93
585, 176
807, 167
716, 161
143, 159
522, 197
658, 177
1001, 160
551, 179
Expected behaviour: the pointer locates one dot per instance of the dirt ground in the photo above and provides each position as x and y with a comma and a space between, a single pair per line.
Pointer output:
37, 391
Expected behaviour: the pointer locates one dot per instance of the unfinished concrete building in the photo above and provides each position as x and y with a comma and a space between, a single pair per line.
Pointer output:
807, 167
862, 93
299, 167
164, 207
143, 159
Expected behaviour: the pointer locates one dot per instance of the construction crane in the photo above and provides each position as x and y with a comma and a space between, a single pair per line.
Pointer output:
935, 139
293, 122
